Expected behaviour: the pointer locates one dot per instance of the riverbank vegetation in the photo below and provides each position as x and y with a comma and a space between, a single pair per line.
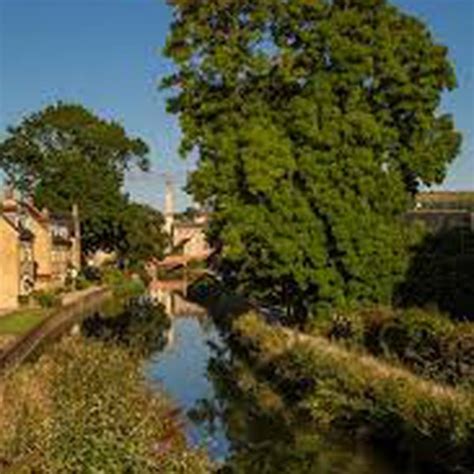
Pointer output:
341, 387
269, 436
83, 407
426, 342
124, 285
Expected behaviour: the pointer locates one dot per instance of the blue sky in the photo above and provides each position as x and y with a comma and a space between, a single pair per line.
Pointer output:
105, 54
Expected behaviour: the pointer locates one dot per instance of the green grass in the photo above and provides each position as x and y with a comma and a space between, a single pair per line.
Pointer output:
338, 386
19, 322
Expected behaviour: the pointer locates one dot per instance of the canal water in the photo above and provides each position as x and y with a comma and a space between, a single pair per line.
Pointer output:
240, 421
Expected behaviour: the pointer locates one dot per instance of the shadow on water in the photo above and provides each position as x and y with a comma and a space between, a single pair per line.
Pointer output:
140, 325
245, 426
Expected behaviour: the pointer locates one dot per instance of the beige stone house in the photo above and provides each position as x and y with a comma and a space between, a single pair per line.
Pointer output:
16, 263
190, 237
37, 250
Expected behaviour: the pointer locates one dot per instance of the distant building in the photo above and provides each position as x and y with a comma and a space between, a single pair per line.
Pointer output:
188, 235
446, 200
445, 210
38, 249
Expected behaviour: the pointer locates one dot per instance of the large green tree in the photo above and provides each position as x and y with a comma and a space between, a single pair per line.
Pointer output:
315, 122
143, 234
65, 154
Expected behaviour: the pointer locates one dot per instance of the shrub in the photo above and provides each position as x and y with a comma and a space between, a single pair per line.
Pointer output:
341, 387
24, 300
84, 407
47, 299
91, 273
123, 286
427, 342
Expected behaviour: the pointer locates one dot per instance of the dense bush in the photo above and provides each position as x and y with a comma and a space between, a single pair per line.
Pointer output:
441, 273
123, 286
341, 387
425, 341
91, 273
47, 299
84, 407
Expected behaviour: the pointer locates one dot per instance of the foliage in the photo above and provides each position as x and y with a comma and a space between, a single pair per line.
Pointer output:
340, 387
65, 155
47, 299
143, 235
427, 342
91, 273
84, 407
267, 436
123, 285
140, 327
314, 123
441, 273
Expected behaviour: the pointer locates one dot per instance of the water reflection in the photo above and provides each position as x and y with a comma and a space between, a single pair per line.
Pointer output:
239, 419
140, 325
181, 369
172, 295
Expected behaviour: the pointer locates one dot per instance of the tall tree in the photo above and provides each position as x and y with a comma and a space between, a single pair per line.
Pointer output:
65, 154
143, 235
315, 122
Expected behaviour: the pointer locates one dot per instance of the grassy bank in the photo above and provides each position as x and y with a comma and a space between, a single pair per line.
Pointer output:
84, 407
345, 388
21, 321
426, 342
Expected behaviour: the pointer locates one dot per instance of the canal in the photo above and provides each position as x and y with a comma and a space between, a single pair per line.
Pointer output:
239, 420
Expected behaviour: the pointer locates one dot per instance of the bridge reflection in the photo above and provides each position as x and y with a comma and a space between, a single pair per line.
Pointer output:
172, 295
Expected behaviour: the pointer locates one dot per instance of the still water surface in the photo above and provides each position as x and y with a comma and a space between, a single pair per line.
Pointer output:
239, 421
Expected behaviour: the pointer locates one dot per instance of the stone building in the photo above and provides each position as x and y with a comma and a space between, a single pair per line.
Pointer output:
17, 266
38, 250
445, 210
188, 236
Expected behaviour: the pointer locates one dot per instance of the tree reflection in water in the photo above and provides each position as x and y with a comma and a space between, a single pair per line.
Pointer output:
265, 436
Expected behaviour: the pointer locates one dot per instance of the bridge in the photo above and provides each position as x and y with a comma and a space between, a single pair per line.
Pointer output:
176, 261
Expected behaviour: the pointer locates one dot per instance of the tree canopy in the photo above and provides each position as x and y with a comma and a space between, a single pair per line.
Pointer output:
315, 122
143, 234
65, 154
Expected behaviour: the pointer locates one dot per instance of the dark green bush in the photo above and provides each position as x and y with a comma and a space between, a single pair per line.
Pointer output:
427, 342
47, 299
123, 286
